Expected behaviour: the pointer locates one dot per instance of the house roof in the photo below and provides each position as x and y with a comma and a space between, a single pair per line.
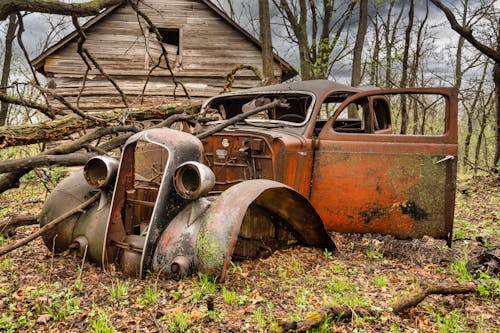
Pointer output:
38, 62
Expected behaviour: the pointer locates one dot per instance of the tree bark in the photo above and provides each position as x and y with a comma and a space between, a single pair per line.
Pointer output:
404, 75
266, 40
358, 45
7, 59
64, 126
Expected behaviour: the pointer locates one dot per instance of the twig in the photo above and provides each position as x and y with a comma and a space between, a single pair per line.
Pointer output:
164, 52
71, 107
347, 313
49, 226
50, 113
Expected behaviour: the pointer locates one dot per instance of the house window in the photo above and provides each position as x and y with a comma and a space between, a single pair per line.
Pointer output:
171, 42
170, 37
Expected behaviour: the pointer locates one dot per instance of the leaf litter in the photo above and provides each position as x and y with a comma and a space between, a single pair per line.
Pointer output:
40, 291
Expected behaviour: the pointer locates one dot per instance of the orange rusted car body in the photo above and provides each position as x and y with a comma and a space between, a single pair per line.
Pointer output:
365, 180
266, 169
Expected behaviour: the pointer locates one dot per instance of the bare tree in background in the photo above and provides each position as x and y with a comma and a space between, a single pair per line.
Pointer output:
404, 74
7, 59
311, 25
491, 51
390, 33
266, 40
360, 41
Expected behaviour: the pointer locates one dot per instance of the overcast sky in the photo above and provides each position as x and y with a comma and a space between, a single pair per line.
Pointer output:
36, 27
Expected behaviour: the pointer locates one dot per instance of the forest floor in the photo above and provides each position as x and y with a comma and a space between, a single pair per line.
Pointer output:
60, 293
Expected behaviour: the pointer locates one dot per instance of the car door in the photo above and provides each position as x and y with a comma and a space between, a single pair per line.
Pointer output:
368, 178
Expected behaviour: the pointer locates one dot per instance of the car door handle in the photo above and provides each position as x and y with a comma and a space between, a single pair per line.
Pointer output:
446, 158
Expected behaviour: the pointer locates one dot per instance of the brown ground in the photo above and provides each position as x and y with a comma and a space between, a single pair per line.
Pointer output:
44, 292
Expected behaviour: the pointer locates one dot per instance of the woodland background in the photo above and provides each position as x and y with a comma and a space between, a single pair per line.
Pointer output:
382, 43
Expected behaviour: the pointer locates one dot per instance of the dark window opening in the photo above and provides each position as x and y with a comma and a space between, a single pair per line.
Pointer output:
170, 36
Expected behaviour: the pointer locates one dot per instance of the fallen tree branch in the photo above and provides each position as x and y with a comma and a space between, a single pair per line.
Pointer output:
49, 226
9, 225
11, 179
427, 289
45, 161
87, 8
47, 111
59, 128
84, 52
346, 313
164, 52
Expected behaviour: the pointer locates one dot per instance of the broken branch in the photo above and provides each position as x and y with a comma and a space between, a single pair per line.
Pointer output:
9, 225
431, 289
230, 77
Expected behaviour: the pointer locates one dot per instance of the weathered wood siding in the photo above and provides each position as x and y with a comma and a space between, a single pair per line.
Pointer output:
209, 49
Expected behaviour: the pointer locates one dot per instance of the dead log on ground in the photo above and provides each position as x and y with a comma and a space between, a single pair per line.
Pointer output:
346, 313
9, 225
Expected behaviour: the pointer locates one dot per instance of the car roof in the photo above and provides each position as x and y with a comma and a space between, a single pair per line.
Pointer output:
316, 87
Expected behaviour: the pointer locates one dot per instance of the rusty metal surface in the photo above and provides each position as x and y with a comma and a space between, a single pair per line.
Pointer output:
245, 154
250, 220
69, 193
401, 185
375, 181
181, 147
221, 223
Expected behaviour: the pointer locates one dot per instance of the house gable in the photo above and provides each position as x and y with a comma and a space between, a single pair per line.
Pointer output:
209, 46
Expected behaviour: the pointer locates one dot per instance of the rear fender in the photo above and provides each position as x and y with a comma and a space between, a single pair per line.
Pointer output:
249, 217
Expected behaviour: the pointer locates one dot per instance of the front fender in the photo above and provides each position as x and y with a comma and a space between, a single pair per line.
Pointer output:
248, 216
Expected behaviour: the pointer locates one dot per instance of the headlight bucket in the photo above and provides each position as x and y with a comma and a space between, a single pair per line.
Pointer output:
193, 180
100, 171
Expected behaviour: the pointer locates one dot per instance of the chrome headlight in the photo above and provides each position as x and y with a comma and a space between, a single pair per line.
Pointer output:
100, 171
193, 180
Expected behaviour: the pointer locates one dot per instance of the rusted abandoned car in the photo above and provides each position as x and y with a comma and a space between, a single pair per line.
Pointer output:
276, 166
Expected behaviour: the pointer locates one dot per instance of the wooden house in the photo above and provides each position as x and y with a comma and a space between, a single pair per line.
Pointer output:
202, 42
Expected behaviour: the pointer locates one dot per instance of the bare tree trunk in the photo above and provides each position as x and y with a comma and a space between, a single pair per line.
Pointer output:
358, 45
404, 76
9, 38
482, 126
375, 59
390, 32
496, 79
415, 65
266, 40
469, 110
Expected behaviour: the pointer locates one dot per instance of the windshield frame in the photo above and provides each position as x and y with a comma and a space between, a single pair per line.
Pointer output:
270, 94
